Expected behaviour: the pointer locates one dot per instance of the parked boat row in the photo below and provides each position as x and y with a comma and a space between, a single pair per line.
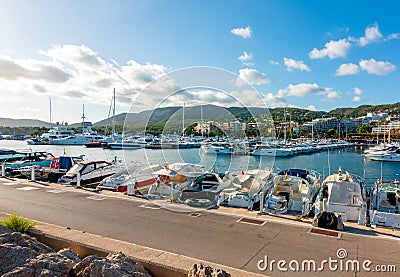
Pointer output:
384, 153
273, 149
293, 191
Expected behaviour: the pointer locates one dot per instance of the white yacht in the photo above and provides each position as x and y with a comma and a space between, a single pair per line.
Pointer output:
88, 135
294, 191
343, 194
216, 147
60, 131
271, 150
385, 203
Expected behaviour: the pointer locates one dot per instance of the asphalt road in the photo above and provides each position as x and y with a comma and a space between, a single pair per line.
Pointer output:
214, 237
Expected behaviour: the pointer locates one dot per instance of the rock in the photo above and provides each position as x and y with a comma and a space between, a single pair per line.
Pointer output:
16, 249
50, 264
114, 265
70, 254
4, 230
201, 270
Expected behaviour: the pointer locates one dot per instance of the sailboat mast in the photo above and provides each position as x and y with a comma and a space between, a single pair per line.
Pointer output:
201, 120
113, 119
51, 117
83, 117
183, 120
284, 128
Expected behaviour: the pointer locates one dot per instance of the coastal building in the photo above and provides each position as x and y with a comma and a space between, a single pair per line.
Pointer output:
393, 127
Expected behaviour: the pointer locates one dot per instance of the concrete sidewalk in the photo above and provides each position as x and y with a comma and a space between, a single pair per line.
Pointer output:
158, 263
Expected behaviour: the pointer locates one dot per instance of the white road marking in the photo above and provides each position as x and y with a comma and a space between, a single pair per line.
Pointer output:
28, 188
55, 191
9, 183
95, 197
155, 207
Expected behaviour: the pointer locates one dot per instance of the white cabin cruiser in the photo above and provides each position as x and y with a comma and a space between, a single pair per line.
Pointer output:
245, 188
217, 147
385, 203
343, 194
137, 178
294, 191
90, 172
172, 179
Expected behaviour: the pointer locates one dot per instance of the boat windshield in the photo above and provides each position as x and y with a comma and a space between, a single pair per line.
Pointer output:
75, 169
345, 194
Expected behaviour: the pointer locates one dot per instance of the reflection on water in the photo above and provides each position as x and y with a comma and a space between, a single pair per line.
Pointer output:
350, 159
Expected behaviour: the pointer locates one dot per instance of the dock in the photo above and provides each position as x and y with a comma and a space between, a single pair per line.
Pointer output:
230, 237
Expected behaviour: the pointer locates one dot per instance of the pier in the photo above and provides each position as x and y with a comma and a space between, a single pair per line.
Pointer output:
236, 238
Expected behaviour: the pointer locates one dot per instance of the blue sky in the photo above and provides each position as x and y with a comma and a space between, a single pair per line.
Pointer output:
309, 54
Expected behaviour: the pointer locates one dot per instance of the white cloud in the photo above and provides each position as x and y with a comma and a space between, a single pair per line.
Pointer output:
372, 34
356, 98
295, 64
304, 89
312, 108
393, 36
272, 62
333, 49
76, 55
242, 32
379, 68
347, 69
274, 101
300, 90
245, 57
251, 76
331, 94
357, 91
76, 71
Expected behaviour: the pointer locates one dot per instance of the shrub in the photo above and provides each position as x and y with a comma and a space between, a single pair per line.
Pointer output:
17, 224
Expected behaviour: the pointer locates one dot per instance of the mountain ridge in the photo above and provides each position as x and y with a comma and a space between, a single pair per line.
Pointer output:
213, 112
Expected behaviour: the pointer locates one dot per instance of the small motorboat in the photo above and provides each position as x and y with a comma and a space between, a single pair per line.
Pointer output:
172, 179
343, 194
140, 175
384, 208
294, 191
90, 172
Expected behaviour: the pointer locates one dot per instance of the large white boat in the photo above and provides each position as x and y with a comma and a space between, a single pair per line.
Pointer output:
344, 194
217, 147
60, 131
272, 150
294, 191
124, 144
385, 203
88, 135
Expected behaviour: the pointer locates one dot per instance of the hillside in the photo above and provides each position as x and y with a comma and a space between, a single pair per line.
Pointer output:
173, 115
393, 109
9, 122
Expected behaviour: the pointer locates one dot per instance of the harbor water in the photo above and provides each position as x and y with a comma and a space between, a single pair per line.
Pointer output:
326, 162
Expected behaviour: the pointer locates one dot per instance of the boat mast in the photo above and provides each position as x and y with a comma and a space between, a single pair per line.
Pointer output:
284, 128
312, 130
83, 117
201, 120
113, 119
51, 117
183, 120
